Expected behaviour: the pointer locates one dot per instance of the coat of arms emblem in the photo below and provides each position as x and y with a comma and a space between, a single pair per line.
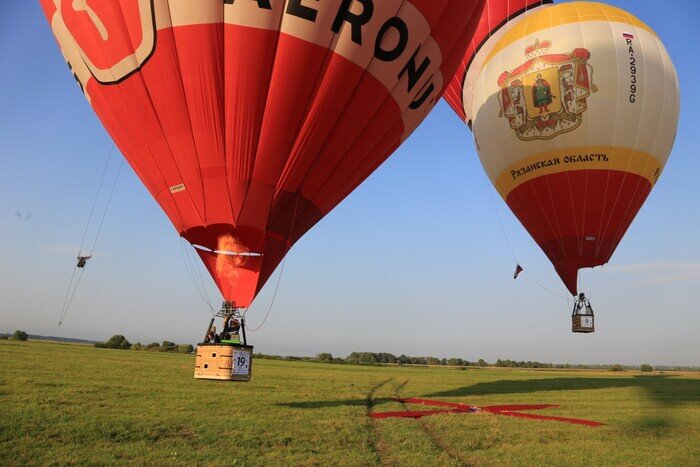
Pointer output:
546, 95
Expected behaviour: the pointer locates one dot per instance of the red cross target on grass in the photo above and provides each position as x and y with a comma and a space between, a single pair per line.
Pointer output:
455, 407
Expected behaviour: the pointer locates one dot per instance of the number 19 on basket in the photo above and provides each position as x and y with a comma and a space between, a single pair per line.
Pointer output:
241, 362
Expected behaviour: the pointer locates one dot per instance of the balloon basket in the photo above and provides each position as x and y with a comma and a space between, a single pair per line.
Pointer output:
582, 323
224, 362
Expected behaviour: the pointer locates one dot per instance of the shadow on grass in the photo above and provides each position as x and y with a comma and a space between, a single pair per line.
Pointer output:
335, 403
369, 401
662, 389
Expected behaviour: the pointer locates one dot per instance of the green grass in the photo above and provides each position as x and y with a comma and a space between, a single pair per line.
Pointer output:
63, 403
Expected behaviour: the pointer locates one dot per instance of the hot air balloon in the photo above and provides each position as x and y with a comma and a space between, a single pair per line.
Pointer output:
248, 121
574, 109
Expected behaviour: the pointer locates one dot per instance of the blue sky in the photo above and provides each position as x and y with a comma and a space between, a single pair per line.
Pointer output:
414, 261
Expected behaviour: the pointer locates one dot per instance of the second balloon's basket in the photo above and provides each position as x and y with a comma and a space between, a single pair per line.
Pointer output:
582, 323
225, 362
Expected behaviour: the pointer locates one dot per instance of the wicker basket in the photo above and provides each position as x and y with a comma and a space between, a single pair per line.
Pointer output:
223, 361
582, 323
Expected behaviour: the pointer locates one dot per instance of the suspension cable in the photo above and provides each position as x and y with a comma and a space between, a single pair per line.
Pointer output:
73, 287
109, 201
279, 278
97, 195
274, 296
510, 247
191, 267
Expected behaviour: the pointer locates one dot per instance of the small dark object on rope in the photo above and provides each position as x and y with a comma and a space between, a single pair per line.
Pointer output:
82, 260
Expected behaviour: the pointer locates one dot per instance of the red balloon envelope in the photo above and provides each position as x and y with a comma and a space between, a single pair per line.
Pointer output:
249, 120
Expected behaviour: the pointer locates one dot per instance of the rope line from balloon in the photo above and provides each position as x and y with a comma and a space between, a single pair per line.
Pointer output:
73, 288
64, 308
197, 269
109, 201
279, 277
272, 302
190, 266
72, 295
97, 195
510, 247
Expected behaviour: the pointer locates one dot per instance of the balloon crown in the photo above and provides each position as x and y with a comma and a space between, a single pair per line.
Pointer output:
537, 49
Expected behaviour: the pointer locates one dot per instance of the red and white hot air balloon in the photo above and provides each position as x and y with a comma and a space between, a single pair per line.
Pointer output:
250, 120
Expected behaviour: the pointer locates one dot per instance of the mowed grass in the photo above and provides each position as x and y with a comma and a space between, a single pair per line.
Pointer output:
62, 403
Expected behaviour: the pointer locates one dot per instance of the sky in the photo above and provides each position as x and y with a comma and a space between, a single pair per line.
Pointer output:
414, 261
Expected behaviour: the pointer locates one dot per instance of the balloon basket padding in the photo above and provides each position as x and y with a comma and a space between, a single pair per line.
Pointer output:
224, 362
582, 323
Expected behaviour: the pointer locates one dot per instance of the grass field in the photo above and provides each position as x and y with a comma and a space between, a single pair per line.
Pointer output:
63, 403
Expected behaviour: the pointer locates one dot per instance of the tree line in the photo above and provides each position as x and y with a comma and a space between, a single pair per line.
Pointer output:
355, 358
385, 358
120, 342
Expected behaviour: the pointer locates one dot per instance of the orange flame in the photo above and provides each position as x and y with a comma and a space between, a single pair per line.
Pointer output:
229, 258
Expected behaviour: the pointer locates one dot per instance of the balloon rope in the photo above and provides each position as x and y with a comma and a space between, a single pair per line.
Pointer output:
510, 247
284, 261
191, 267
73, 288
274, 296
72, 295
97, 195
109, 200
65, 299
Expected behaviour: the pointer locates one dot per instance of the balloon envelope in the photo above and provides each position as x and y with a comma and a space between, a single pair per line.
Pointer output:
250, 120
574, 113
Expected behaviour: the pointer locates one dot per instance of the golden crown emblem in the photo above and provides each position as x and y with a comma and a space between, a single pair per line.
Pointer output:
537, 49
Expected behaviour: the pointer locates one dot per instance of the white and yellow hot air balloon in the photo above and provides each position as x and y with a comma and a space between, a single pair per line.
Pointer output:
574, 113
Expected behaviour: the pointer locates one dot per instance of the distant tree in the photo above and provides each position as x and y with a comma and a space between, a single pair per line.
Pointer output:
384, 357
324, 357
4, 337
419, 360
616, 367
482, 362
646, 368
137, 346
168, 346
185, 348
19, 336
153, 347
115, 342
